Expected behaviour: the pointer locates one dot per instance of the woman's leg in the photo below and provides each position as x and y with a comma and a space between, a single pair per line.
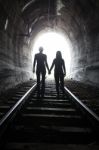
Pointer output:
57, 83
62, 83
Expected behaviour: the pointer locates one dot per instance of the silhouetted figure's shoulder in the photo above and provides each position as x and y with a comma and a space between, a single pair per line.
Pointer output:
39, 55
58, 60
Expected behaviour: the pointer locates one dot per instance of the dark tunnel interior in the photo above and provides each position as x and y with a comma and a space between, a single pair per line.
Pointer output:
34, 115
22, 20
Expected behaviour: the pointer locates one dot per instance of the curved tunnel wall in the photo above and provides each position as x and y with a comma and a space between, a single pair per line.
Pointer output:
81, 18
15, 56
21, 21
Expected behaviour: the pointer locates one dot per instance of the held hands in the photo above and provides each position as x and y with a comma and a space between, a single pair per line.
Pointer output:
49, 72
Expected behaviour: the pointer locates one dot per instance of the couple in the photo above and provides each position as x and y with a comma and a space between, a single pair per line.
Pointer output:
59, 71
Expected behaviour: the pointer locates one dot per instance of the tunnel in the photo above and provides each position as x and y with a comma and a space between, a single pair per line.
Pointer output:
22, 21
69, 26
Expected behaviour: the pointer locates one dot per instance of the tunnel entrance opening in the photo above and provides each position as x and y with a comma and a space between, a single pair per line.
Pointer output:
52, 42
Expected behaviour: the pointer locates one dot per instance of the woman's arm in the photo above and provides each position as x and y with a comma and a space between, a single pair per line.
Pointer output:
53, 63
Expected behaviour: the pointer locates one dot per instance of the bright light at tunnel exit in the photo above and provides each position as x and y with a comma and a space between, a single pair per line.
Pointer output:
53, 42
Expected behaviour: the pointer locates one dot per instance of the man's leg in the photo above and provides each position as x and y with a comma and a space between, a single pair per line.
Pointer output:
38, 84
43, 85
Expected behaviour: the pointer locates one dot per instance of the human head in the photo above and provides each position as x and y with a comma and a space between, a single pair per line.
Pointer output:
40, 49
58, 55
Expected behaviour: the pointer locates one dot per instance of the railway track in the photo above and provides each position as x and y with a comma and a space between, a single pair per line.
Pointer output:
49, 120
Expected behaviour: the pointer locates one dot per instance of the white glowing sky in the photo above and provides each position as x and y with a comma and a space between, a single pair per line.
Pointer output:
52, 42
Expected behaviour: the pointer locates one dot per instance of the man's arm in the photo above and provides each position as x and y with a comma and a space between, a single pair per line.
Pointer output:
34, 64
64, 68
46, 64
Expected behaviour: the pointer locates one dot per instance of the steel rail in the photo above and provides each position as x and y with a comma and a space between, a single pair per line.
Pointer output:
12, 112
91, 116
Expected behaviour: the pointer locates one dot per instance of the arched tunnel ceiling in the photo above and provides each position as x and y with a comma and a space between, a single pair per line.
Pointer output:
73, 16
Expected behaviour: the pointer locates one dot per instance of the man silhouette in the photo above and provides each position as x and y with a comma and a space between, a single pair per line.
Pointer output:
41, 60
59, 71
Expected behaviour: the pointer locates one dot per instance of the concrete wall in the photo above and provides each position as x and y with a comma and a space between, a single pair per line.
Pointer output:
82, 19
15, 54
15, 62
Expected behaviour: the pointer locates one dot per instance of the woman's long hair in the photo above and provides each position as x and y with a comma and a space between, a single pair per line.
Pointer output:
58, 55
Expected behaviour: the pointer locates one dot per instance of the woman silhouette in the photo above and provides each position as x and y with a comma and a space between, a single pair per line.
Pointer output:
59, 71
